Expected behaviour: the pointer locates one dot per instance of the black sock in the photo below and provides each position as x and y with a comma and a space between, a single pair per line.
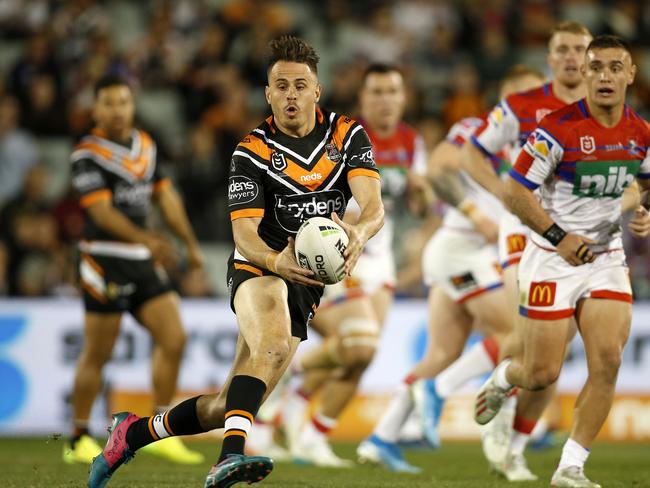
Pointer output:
242, 402
77, 433
180, 420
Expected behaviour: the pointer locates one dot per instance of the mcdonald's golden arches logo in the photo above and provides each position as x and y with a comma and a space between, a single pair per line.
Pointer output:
516, 243
542, 294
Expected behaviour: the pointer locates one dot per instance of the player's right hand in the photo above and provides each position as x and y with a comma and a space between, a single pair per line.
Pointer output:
574, 249
287, 267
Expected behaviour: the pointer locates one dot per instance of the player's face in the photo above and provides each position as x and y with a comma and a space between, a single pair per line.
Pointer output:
382, 99
114, 109
608, 72
566, 55
520, 84
293, 92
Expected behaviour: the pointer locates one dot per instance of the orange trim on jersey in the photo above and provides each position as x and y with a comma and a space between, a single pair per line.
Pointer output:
232, 432
319, 115
362, 172
94, 197
161, 184
92, 263
257, 145
94, 293
612, 295
249, 268
137, 166
152, 431
546, 315
246, 212
313, 177
241, 413
104, 152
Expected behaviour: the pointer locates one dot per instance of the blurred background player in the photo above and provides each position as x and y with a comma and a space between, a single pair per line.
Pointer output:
352, 312
121, 270
273, 298
461, 261
574, 266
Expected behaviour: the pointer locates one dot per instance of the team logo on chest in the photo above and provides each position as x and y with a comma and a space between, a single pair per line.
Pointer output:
587, 144
332, 152
277, 161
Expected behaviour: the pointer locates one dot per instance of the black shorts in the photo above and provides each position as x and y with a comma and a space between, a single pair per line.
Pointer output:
303, 300
112, 284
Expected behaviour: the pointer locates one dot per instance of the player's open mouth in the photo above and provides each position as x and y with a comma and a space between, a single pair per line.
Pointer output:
605, 91
291, 110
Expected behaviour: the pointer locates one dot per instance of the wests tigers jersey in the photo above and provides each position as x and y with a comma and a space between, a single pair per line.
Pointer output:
126, 175
286, 180
582, 168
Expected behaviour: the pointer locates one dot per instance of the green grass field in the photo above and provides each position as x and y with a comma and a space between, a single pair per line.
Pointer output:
27, 463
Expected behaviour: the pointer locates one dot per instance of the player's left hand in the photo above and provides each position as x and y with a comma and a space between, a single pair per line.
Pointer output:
356, 240
639, 226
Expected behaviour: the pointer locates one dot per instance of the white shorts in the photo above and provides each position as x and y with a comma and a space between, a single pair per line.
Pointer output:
513, 236
461, 263
550, 287
371, 273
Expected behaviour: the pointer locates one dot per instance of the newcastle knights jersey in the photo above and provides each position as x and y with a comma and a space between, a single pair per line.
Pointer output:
582, 169
514, 118
126, 175
286, 180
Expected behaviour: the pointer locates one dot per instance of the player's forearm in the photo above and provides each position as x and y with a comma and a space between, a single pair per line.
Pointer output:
175, 216
114, 222
371, 218
524, 205
474, 163
448, 186
250, 244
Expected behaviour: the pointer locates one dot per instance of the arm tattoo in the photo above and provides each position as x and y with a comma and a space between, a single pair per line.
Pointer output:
449, 187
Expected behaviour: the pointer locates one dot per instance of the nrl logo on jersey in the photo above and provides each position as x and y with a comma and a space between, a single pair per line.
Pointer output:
587, 144
278, 161
332, 153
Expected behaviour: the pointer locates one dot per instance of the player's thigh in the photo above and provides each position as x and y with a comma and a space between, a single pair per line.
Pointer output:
544, 348
511, 286
262, 308
100, 333
161, 317
605, 328
491, 312
328, 319
448, 326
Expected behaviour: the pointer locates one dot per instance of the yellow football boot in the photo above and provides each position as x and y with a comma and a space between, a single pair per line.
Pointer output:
172, 449
85, 449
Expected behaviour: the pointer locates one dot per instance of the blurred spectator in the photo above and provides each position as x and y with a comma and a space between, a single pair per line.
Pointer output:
465, 99
20, 18
17, 149
45, 109
29, 235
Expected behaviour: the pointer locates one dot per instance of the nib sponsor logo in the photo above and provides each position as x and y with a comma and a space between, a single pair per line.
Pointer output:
598, 179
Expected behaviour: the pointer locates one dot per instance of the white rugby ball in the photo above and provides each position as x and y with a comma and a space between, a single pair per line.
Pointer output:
320, 243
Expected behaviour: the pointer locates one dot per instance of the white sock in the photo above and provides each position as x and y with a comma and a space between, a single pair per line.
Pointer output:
294, 408
400, 407
518, 443
473, 363
573, 454
500, 375
541, 428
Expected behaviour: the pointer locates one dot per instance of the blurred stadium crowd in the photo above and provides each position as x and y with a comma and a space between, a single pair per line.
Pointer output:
198, 68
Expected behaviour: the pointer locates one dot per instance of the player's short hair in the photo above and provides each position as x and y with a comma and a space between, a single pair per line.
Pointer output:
521, 70
110, 80
380, 69
570, 26
607, 42
293, 49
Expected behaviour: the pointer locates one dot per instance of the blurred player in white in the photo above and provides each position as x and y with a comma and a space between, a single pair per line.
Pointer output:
352, 312
581, 158
461, 260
